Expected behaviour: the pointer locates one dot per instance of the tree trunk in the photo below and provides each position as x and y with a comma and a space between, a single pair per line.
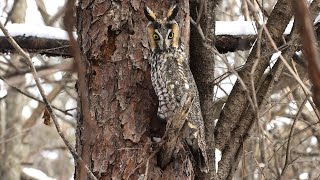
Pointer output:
116, 142
202, 66
11, 147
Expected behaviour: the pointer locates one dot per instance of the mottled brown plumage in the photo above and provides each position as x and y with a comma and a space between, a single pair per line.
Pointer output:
171, 78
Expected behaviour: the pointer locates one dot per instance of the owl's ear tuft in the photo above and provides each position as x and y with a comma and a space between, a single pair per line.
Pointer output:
149, 14
172, 13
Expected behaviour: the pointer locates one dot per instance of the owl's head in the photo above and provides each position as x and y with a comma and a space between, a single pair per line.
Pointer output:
162, 33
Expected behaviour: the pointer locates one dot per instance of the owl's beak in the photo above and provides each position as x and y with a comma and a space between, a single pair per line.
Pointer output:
166, 44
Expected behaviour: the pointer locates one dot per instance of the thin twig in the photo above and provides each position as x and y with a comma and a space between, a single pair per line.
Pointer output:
146, 171
202, 4
76, 157
274, 46
245, 89
286, 164
33, 97
88, 122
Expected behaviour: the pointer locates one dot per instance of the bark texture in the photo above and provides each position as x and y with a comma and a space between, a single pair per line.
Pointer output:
202, 66
116, 141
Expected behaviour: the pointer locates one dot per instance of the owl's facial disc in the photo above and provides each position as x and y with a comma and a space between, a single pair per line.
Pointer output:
163, 34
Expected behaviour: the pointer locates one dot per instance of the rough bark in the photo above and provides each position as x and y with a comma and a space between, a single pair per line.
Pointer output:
202, 67
116, 141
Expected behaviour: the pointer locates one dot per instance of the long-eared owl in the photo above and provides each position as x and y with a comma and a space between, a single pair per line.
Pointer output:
171, 79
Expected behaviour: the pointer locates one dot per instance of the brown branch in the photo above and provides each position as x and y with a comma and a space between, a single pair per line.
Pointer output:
50, 47
286, 164
76, 157
43, 11
43, 71
41, 107
57, 47
55, 17
83, 92
302, 16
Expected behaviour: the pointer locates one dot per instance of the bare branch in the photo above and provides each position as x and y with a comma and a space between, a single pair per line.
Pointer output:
50, 47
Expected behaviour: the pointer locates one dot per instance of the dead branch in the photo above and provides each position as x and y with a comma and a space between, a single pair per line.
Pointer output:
50, 47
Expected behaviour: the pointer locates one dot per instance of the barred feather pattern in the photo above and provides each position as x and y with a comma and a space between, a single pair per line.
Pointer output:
171, 78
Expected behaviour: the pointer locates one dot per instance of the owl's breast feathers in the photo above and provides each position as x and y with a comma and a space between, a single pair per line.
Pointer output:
171, 78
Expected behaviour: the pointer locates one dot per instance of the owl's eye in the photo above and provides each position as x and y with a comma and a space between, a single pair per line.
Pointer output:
170, 36
155, 36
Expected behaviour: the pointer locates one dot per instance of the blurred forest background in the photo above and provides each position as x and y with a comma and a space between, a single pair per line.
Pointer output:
28, 145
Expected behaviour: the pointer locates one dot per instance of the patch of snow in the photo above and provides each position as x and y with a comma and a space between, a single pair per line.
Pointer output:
26, 111
283, 120
304, 176
309, 149
3, 90
275, 56
57, 76
226, 85
33, 15
50, 154
309, 106
33, 103
313, 140
262, 165
218, 156
36, 173
317, 19
235, 28
36, 31
241, 28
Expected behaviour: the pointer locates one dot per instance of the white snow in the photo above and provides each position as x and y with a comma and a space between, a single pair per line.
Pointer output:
241, 28
304, 176
218, 156
222, 28
52, 155
317, 19
36, 173
36, 31
235, 28
313, 140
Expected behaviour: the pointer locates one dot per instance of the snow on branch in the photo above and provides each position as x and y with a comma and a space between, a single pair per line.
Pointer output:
37, 39
230, 36
46, 32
